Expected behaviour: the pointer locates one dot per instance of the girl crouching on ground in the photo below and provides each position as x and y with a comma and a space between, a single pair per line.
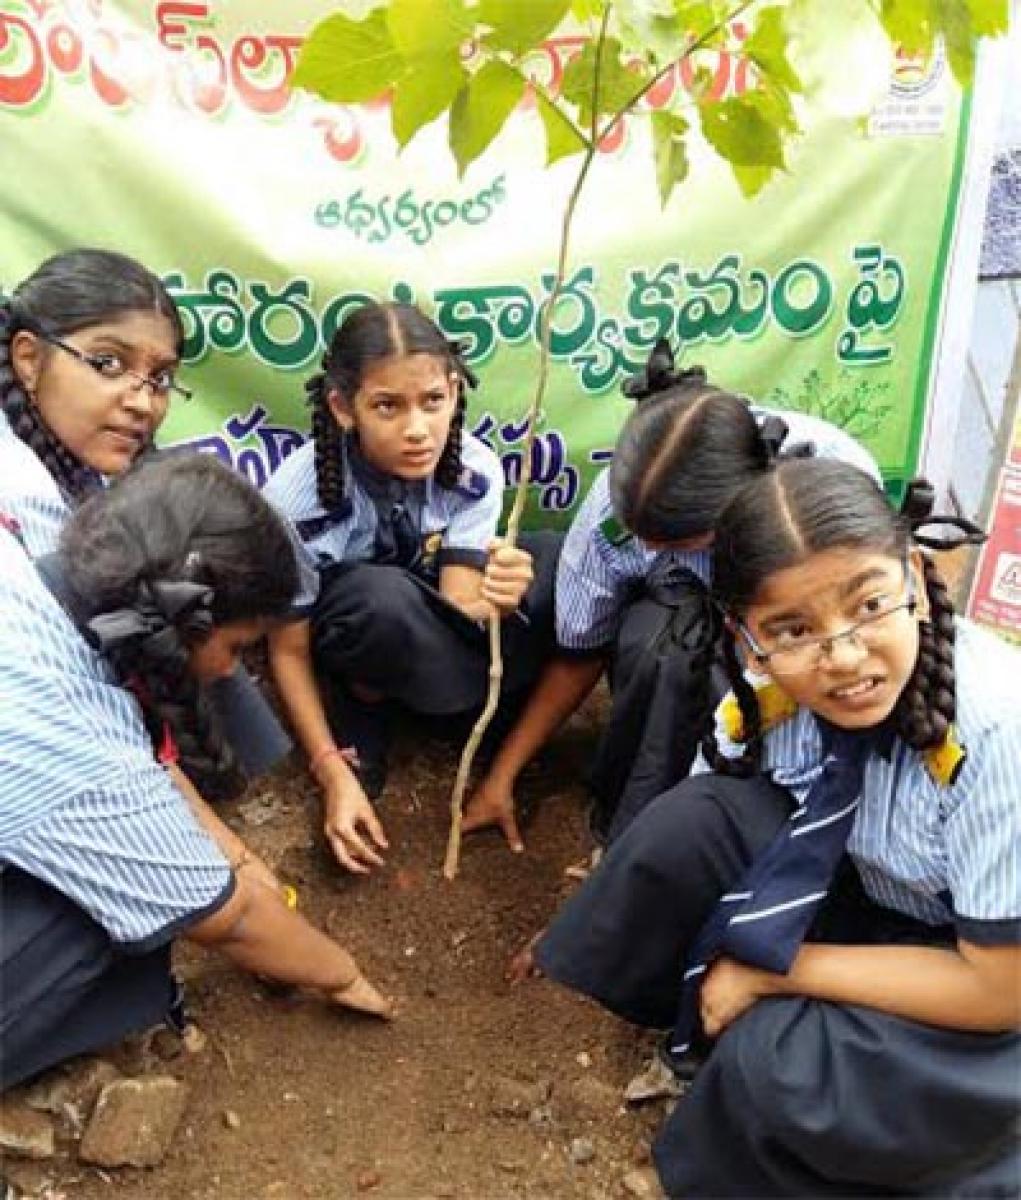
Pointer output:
831, 919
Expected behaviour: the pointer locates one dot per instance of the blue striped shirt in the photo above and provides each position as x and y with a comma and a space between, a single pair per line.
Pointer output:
596, 575
29, 494
83, 804
940, 854
460, 521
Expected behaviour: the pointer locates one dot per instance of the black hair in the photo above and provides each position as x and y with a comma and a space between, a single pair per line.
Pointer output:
683, 452
69, 292
801, 508
369, 334
158, 560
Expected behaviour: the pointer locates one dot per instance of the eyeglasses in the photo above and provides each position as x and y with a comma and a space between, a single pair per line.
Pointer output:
799, 653
109, 366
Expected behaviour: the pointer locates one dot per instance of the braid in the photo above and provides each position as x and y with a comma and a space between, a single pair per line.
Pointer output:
71, 476
172, 698
928, 704
749, 761
328, 438
448, 469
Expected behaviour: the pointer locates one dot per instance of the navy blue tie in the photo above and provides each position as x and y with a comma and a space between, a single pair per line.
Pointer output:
763, 920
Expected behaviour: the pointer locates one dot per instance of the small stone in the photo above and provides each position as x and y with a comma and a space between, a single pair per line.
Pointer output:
655, 1081
193, 1039
25, 1133
166, 1044
445, 1190
409, 951
582, 1151
459, 938
134, 1122
278, 1190
515, 1098
583, 1059
231, 1120
508, 1167
368, 1180
643, 1183
75, 1085
587, 1099
541, 1117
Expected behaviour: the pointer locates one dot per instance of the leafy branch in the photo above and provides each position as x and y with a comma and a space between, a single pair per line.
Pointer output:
463, 59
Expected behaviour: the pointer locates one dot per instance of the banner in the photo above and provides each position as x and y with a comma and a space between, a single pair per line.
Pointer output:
996, 593
166, 129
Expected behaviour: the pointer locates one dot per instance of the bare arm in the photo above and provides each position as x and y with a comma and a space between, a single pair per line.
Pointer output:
350, 822
259, 933
968, 988
500, 587
563, 685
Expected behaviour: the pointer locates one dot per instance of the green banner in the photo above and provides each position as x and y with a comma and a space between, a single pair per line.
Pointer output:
166, 129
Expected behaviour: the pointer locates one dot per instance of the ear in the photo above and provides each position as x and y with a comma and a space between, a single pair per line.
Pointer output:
27, 359
916, 574
340, 409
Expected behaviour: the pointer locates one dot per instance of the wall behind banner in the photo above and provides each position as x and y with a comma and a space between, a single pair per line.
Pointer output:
165, 128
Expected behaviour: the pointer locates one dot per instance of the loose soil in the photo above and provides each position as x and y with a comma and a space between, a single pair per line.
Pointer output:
328, 1104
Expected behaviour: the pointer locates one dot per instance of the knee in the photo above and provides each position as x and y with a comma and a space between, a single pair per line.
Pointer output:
366, 602
670, 835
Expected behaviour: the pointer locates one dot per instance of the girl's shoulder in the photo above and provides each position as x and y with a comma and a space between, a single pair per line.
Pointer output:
986, 671
292, 487
481, 470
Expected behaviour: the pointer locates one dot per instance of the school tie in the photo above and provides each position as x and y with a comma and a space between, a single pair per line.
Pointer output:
397, 538
764, 919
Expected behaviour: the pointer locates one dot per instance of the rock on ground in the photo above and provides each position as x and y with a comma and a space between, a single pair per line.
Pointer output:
134, 1122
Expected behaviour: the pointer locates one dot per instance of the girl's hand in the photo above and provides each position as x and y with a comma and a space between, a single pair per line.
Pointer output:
351, 825
507, 576
360, 995
730, 988
492, 804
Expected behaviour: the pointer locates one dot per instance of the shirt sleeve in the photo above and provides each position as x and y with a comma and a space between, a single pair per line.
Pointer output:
983, 839
474, 520
589, 587
132, 856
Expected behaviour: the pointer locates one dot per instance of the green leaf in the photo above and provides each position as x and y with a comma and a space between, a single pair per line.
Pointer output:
617, 83
751, 180
519, 25
767, 48
651, 31
670, 152
562, 139
424, 93
588, 10
480, 110
421, 28
989, 18
741, 134
349, 62
909, 24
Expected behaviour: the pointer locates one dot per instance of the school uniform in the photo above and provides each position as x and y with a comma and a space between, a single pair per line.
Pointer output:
101, 861
799, 1096
30, 496
648, 612
377, 615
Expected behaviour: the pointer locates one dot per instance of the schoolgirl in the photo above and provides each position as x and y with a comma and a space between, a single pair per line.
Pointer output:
396, 506
105, 856
833, 914
631, 594
90, 344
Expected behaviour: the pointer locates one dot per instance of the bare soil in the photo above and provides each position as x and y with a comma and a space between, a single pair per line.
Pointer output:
477, 1090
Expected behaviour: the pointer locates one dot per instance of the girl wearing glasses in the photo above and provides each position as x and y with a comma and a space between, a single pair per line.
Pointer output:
830, 919
396, 506
105, 856
89, 348
631, 588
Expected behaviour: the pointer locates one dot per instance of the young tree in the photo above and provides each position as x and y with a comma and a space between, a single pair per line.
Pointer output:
467, 60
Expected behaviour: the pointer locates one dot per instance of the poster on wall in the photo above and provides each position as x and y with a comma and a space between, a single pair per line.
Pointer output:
166, 129
996, 592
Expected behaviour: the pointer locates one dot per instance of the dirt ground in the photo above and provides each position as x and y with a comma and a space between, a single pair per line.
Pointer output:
477, 1090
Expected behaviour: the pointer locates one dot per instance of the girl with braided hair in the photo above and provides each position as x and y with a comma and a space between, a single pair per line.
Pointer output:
90, 344
396, 508
105, 854
631, 595
830, 919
